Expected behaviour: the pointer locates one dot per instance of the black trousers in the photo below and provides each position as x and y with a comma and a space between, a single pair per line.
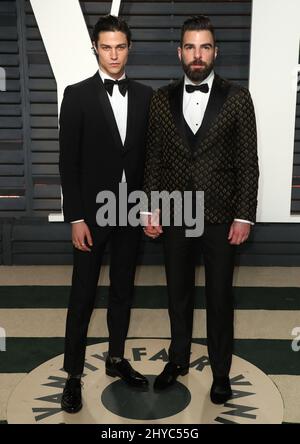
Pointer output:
124, 243
180, 253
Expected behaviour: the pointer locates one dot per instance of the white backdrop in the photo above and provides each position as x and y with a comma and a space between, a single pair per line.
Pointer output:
275, 36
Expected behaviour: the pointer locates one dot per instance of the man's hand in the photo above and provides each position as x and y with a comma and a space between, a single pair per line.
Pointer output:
152, 228
80, 232
239, 232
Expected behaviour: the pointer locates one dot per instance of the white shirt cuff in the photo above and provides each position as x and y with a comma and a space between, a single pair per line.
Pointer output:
244, 221
77, 221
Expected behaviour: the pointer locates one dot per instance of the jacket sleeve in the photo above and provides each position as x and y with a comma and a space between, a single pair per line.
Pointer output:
153, 151
246, 160
70, 129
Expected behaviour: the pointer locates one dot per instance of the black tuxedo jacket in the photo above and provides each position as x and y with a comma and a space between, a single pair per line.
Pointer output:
224, 161
92, 156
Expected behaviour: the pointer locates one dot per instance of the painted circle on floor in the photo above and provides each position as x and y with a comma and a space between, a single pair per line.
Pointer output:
130, 403
106, 400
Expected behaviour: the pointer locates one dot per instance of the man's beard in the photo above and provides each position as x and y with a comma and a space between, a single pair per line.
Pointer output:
197, 75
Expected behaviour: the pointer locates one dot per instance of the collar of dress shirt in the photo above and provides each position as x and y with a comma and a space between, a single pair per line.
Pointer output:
104, 76
209, 80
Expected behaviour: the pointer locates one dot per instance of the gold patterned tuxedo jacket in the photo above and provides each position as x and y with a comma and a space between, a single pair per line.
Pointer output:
223, 164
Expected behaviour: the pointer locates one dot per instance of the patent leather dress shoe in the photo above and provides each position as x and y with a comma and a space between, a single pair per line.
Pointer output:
71, 398
220, 390
124, 371
169, 375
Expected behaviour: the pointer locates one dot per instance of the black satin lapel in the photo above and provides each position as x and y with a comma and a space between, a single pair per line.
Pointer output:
175, 98
216, 100
107, 111
131, 116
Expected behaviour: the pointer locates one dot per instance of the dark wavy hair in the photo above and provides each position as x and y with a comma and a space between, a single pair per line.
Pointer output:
110, 23
197, 23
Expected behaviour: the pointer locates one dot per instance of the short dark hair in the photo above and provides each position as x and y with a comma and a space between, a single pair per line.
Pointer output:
111, 23
197, 23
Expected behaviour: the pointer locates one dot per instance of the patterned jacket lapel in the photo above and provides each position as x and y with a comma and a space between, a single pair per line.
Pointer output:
218, 95
175, 100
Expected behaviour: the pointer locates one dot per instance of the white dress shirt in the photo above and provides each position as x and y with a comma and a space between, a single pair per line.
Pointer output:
119, 106
194, 104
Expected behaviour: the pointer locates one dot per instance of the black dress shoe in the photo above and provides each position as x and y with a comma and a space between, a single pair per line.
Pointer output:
220, 390
71, 398
169, 375
124, 370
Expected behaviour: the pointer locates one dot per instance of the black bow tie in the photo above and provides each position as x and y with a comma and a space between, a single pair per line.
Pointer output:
122, 84
191, 88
